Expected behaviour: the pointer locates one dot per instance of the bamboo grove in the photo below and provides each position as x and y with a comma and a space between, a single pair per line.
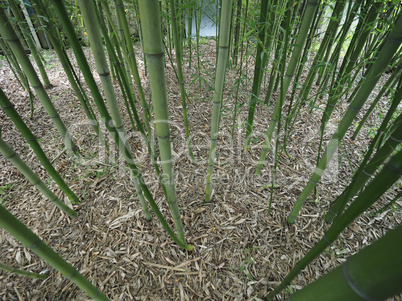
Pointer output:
359, 42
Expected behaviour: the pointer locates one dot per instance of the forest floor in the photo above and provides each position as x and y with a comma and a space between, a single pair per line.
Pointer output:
240, 252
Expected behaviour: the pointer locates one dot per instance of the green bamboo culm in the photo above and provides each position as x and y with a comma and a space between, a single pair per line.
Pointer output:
325, 43
121, 140
114, 45
392, 79
9, 35
387, 177
281, 100
350, 59
368, 168
134, 68
354, 281
19, 75
29, 40
153, 50
370, 78
68, 69
190, 13
88, 11
31, 241
124, 84
8, 107
197, 19
224, 33
179, 59
340, 79
13, 157
387, 206
296, 53
13, 270
62, 16
258, 70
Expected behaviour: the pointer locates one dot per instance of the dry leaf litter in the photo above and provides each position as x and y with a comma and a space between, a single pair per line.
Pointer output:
240, 252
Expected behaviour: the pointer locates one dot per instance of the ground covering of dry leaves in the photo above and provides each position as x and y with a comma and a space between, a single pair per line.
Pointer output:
240, 252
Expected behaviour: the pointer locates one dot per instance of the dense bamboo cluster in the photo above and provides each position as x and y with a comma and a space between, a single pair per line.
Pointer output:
359, 41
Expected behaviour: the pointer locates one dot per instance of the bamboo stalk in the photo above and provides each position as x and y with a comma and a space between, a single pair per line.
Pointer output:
89, 13
281, 101
387, 206
28, 20
319, 61
134, 68
121, 143
9, 35
296, 53
375, 273
22, 272
190, 14
31, 241
258, 71
179, 59
367, 168
18, 74
392, 79
33, 143
372, 75
153, 50
224, 32
197, 16
123, 82
14, 159
28, 35
68, 69
240, 72
391, 173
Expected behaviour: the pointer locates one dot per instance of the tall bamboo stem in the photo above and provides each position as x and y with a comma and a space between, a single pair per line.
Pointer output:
9, 35
258, 70
218, 91
88, 10
179, 60
296, 53
153, 49
121, 143
371, 77
31, 44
